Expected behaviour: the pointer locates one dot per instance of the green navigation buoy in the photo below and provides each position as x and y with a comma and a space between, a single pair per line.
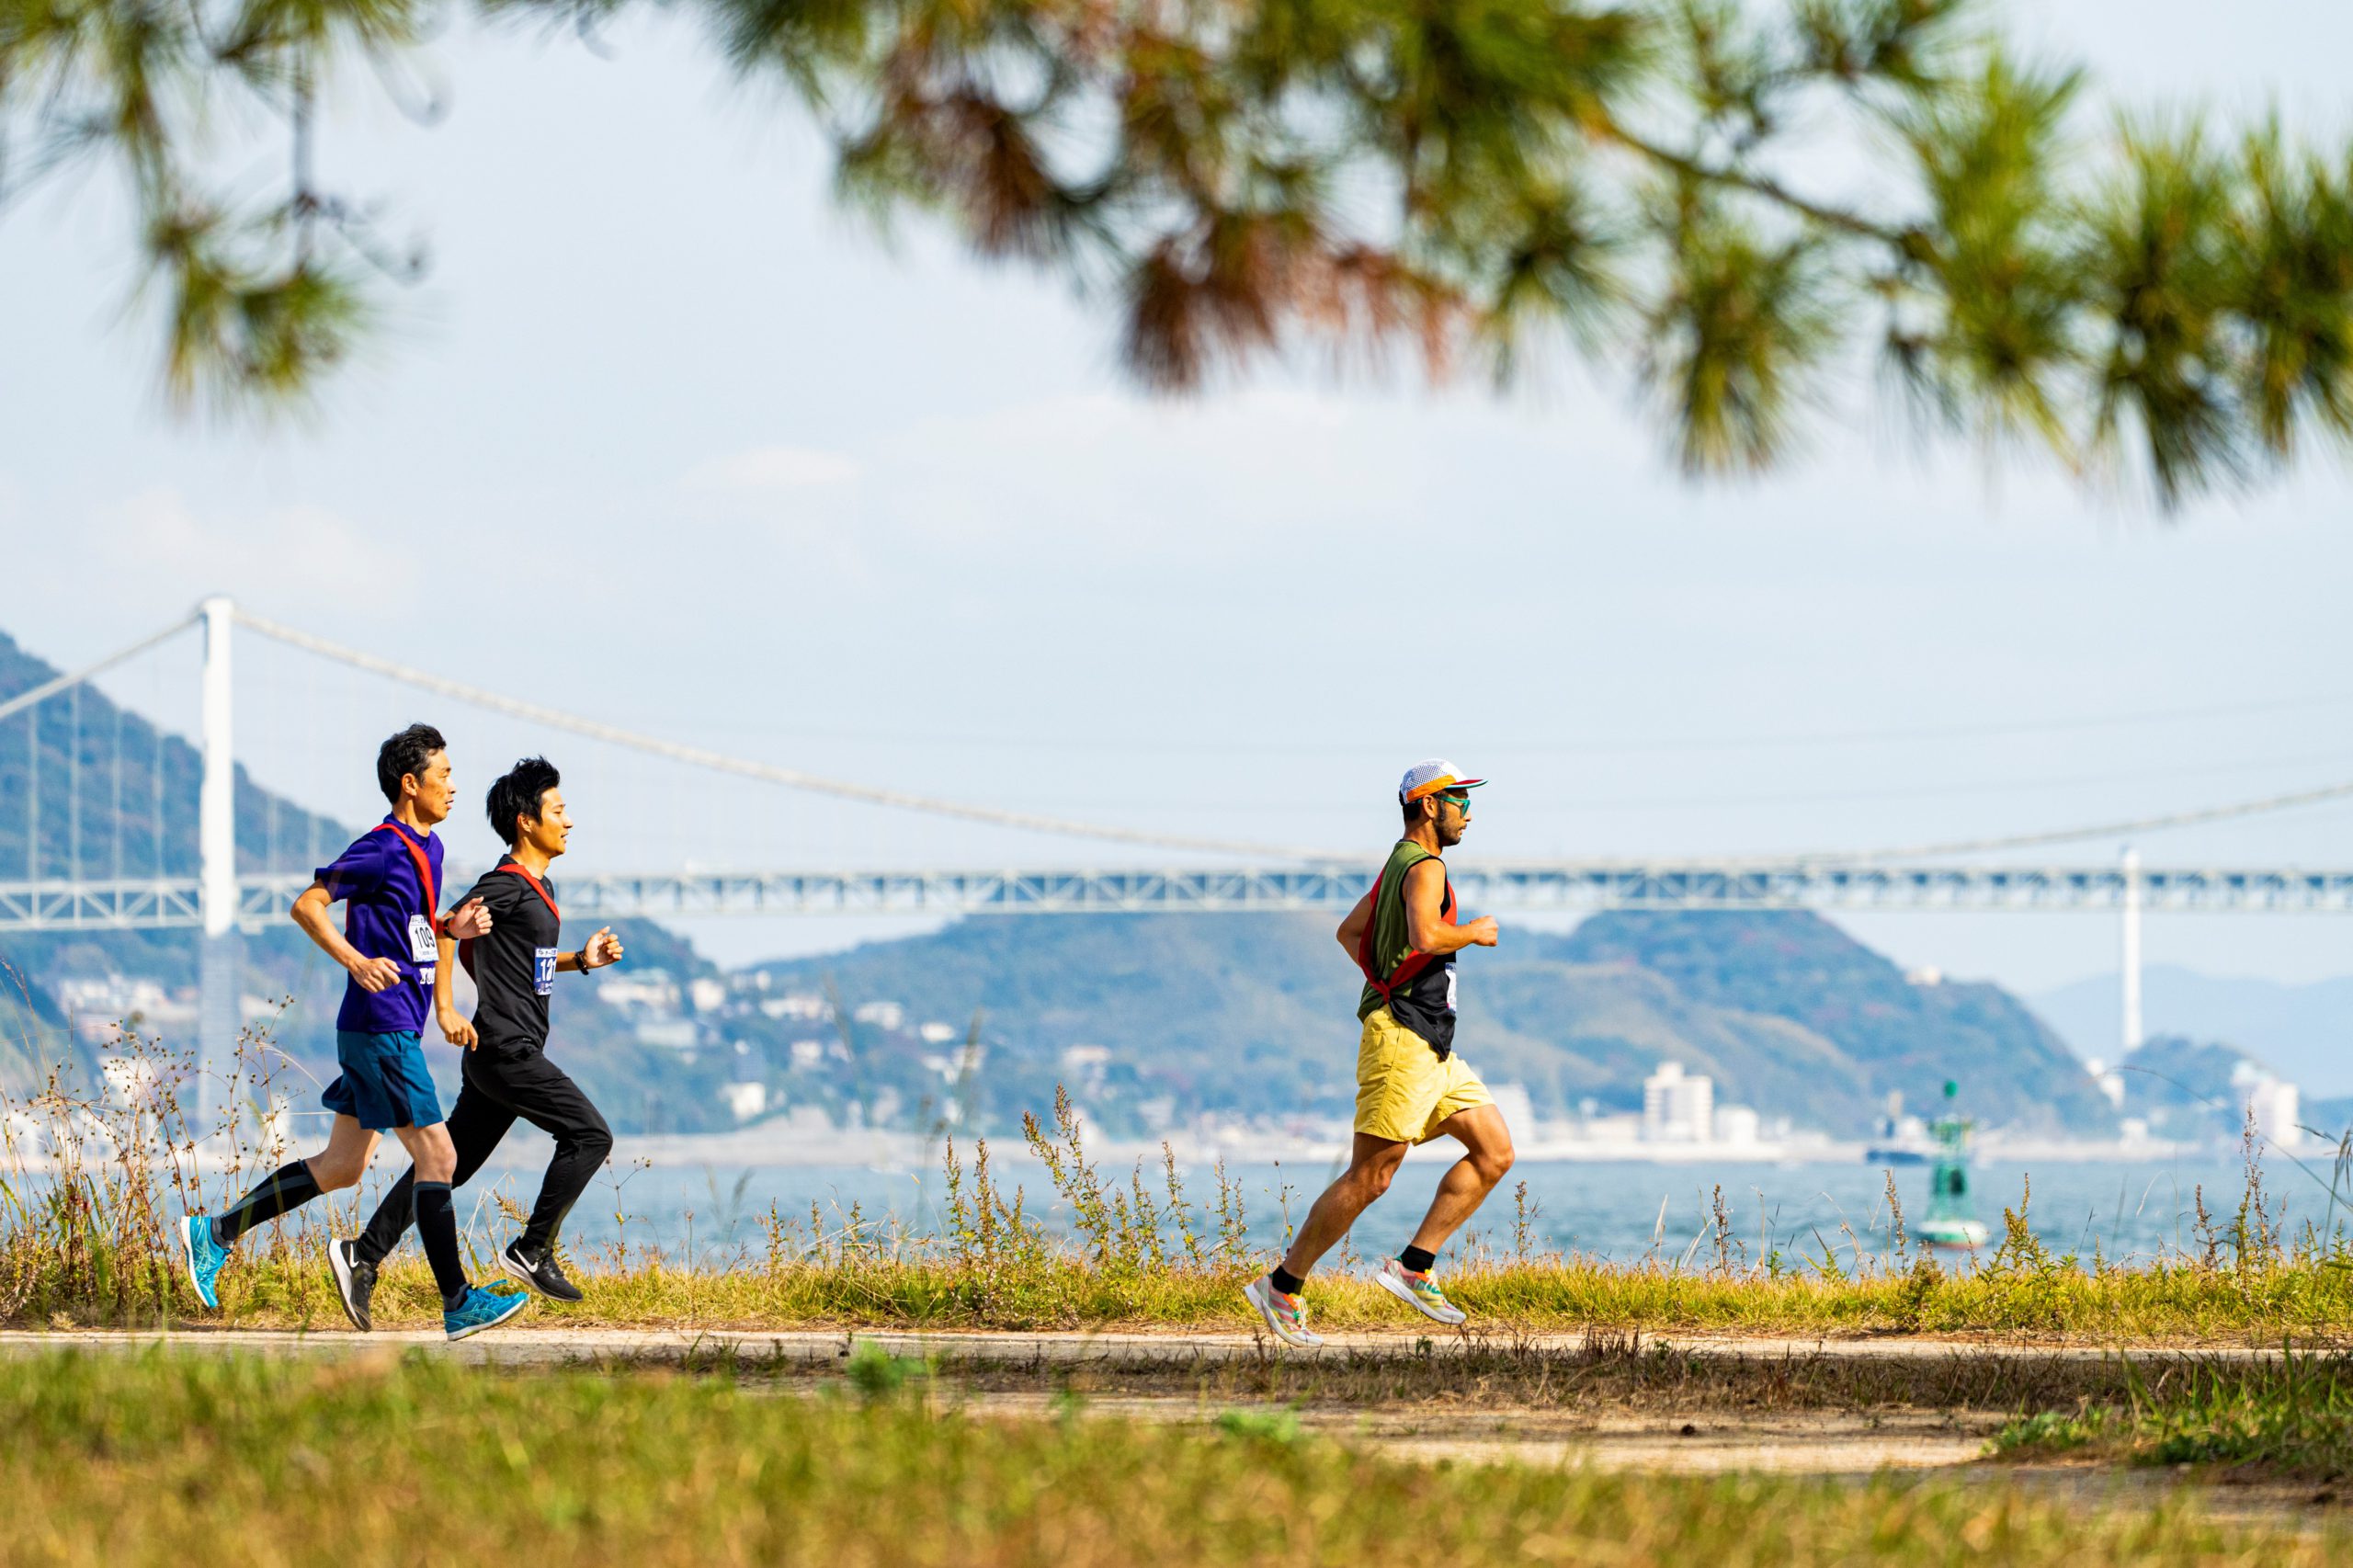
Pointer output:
1951, 1222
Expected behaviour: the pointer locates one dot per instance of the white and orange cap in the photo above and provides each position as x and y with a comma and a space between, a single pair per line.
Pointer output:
1429, 777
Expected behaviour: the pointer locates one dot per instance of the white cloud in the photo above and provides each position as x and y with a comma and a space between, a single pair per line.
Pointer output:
1234, 476
766, 469
288, 554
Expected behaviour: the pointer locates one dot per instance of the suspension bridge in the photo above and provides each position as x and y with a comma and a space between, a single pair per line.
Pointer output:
220, 895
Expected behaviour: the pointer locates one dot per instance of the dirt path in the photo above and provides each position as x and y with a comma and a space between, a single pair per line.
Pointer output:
534, 1345
1805, 1442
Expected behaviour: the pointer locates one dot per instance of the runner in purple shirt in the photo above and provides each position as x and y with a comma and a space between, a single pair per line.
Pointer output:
389, 882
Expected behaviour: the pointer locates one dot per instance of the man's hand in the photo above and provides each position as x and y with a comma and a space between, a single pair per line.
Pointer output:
468, 920
603, 949
454, 1028
375, 974
1483, 931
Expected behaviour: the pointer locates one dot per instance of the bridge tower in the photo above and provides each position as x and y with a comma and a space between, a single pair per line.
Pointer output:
2129, 957
216, 814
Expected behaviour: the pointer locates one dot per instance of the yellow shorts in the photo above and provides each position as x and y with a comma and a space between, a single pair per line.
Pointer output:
1403, 1090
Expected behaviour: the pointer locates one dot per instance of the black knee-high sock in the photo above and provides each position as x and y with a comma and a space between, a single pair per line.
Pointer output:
288, 1187
437, 1229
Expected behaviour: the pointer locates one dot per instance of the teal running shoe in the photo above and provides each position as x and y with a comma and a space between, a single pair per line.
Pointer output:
204, 1257
1418, 1291
482, 1308
1283, 1313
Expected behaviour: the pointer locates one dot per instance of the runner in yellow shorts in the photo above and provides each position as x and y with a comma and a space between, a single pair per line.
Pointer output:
1411, 1087
1405, 1091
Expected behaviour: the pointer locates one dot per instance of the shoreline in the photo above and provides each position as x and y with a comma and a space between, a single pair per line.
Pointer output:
914, 1154
889, 1151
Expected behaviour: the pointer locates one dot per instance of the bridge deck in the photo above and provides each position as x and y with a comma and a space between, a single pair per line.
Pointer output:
157, 903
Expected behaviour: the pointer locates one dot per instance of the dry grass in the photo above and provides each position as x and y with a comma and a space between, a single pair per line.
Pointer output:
84, 1239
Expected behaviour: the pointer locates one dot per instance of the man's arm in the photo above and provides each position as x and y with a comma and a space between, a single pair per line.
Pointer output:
602, 948
1425, 925
309, 911
454, 1029
1352, 928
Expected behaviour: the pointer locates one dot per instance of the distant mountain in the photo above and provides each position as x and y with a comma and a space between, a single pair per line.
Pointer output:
2305, 1032
1887, 1033
1205, 1012
1254, 1015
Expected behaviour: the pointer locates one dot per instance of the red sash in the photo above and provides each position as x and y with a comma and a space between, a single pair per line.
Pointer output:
1414, 962
536, 887
424, 867
466, 948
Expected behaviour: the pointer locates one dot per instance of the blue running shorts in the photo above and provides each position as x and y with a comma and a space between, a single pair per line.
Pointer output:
384, 1083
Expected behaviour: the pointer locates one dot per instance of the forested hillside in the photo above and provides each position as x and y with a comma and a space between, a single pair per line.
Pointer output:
1255, 1014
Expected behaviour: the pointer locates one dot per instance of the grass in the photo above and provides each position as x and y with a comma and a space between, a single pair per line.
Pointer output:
90, 1183
1603, 1372
156, 1458
2291, 1418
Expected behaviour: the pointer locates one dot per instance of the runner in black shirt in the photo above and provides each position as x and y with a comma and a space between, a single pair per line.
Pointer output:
507, 1073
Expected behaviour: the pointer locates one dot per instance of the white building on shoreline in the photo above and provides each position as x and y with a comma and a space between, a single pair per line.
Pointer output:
1678, 1107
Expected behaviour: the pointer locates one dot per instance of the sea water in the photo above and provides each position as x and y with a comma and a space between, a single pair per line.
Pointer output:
1630, 1212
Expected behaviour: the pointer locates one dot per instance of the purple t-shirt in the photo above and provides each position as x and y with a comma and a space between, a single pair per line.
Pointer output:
387, 915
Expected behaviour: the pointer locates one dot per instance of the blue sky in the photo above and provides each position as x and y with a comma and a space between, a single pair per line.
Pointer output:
668, 439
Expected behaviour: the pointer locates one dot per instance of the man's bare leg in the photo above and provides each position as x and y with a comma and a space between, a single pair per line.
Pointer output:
1486, 1159
1372, 1165
344, 1159
205, 1239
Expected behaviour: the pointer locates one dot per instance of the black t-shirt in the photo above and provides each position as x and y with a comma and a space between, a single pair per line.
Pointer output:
1426, 1006
514, 966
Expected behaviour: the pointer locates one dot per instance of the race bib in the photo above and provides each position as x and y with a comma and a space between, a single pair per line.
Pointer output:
423, 950
1450, 988
544, 969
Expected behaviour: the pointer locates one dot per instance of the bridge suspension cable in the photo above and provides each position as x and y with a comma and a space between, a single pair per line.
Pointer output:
2325, 793
719, 762
1063, 827
49, 688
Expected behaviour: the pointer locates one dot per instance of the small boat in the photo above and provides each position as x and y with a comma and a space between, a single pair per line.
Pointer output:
1951, 1222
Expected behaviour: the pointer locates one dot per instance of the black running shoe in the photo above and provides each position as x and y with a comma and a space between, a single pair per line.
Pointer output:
540, 1273
355, 1282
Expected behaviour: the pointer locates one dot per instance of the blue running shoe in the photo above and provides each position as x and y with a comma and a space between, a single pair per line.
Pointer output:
482, 1308
204, 1256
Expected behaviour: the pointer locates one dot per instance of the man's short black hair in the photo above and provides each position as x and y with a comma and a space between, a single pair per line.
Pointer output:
404, 756
1413, 812
516, 793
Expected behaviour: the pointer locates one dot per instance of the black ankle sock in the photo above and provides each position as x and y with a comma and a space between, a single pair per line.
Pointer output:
437, 1227
1417, 1260
288, 1187
1285, 1280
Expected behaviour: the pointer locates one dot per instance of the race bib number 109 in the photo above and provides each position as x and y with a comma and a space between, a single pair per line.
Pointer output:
422, 948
